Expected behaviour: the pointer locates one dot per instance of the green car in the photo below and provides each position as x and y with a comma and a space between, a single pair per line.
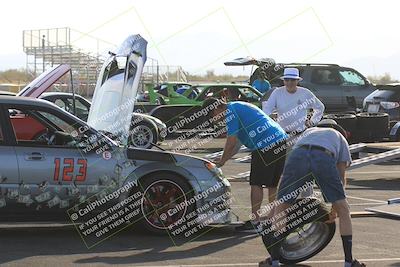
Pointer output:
174, 93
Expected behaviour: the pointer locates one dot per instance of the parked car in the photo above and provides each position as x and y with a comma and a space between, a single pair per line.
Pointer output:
176, 116
146, 130
166, 93
196, 94
339, 88
51, 174
386, 98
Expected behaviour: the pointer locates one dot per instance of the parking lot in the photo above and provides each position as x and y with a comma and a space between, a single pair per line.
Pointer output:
54, 244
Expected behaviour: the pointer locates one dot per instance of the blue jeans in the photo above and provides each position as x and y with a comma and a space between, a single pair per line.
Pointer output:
305, 165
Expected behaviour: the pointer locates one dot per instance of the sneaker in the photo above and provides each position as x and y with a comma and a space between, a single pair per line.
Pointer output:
356, 263
250, 227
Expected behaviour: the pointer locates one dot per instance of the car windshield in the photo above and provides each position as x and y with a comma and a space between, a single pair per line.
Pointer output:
58, 122
42, 123
351, 78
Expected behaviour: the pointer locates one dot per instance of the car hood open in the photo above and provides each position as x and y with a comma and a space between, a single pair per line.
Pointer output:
246, 61
116, 88
44, 81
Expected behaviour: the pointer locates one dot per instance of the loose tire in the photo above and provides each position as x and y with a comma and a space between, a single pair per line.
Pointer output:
372, 126
308, 238
346, 120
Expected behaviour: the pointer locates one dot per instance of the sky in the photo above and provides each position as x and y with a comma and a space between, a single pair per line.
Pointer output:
201, 35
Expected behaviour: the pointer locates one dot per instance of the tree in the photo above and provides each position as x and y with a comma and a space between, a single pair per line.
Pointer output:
382, 79
15, 76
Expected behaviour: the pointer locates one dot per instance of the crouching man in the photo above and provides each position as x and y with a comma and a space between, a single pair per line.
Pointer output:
321, 154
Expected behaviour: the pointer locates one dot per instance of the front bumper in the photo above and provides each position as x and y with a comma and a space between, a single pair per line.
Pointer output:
215, 208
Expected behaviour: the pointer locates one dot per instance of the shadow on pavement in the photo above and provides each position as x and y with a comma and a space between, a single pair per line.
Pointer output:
20, 243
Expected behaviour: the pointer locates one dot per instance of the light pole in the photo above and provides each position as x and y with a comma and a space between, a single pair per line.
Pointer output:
43, 44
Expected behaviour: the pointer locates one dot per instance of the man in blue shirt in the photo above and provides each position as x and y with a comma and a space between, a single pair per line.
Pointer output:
250, 126
261, 85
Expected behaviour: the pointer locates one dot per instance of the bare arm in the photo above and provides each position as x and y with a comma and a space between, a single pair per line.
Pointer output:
318, 110
229, 150
270, 105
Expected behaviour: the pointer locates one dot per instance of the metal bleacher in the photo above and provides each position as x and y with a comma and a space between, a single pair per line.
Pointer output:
48, 47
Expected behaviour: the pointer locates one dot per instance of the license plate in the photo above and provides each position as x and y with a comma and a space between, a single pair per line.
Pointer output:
373, 108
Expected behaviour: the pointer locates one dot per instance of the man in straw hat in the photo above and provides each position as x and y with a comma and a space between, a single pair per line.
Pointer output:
292, 103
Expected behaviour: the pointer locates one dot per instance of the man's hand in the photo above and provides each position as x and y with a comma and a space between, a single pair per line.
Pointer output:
229, 150
332, 216
219, 162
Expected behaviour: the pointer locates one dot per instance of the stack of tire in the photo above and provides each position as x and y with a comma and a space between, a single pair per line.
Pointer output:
363, 127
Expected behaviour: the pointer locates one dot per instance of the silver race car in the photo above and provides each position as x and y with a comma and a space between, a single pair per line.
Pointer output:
51, 161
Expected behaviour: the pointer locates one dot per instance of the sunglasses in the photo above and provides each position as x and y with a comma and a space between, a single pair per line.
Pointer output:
289, 80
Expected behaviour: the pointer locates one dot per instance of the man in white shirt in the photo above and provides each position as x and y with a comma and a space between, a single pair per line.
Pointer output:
292, 102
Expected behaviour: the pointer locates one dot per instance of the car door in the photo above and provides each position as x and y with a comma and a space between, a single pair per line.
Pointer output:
9, 175
59, 173
355, 85
325, 84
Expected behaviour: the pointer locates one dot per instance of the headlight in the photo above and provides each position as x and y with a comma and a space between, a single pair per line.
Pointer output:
390, 105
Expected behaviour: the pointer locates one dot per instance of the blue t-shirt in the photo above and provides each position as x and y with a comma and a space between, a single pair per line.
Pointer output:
261, 85
252, 126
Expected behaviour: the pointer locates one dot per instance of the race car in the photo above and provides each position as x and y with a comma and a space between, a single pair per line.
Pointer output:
74, 161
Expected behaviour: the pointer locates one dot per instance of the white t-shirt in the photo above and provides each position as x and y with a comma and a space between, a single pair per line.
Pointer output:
292, 107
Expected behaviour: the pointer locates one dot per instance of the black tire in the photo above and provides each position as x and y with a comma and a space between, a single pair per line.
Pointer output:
160, 101
372, 126
314, 237
346, 120
164, 183
143, 134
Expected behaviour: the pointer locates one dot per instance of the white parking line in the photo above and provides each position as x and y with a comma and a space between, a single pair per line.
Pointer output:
353, 204
353, 172
368, 199
256, 264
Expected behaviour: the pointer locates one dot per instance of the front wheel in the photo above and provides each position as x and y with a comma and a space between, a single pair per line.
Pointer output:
143, 135
164, 202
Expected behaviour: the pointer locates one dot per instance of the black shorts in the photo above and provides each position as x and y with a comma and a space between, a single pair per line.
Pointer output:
267, 167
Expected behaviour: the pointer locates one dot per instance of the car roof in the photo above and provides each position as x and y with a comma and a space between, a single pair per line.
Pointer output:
223, 85
7, 93
389, 86
174, 83
310, 64
23, 100
58, 94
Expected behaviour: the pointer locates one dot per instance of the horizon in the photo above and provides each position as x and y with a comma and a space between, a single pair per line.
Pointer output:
201, 36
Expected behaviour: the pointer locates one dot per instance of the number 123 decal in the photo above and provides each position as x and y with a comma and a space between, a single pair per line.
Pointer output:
68, 168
